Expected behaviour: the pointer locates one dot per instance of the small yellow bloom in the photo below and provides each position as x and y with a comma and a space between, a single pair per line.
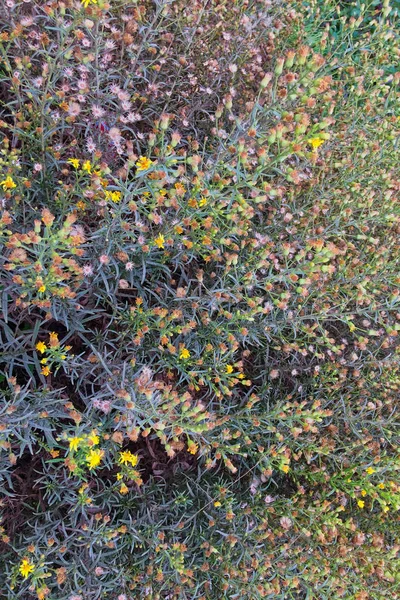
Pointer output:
285, 468
43, 361
8, 183
184, 354
370, 470
86, 3
360, 503
159, 241
119, 476
86, 166
316, 142
217, 503
113, 196
46, 371
381, 486
42, 289
74, 162
363, 493
192, 447
126, 457
203, 201
41, 346
93, 438
94, 458
25, 568
229, 369
143, 163
74, 443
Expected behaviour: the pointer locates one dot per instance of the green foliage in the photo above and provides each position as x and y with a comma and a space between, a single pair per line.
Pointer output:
200, 315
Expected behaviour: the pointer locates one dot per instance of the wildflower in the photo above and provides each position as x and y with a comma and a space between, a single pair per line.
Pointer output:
86, 3
285, 468
8, 183
26, 568
143, 163
123, 489
115, 135
74, 443
74, 162
42, 289
86, 166
360, 503
217, 503
113, 196
127, 457
159, 241
73, 109
363, 493
119, 476
45, 371
316, 142
229, 369
192, 447
184, 353
94, 458
93, 438
41, 346
370, 470
381, 486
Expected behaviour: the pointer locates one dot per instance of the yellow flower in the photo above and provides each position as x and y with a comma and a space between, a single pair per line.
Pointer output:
229, 369
360, 503
119, 476
41, 346
363, 493
184, 353
46, 371
8, 183
316, 142
143, 163
159, 241
74, 442
285, 468
25, 568
127, 457
381, 486
74, 162
42, 289
370, 470
86, 3
192, 447
86, 166
217, 503
113, 196
94, 458
203, 201
93, 438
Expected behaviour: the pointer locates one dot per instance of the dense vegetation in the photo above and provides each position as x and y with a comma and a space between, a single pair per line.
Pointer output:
200, 308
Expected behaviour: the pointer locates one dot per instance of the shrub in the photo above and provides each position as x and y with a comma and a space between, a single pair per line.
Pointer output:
200, 300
